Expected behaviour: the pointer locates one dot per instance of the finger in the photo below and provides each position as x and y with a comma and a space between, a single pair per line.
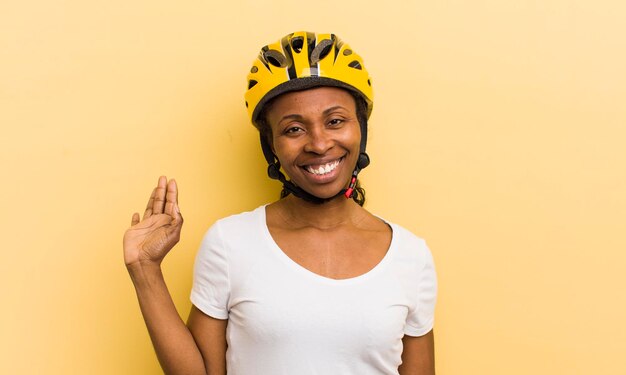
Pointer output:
148, 212
171, 198
159, 198
177, 224
135, 219
178, 217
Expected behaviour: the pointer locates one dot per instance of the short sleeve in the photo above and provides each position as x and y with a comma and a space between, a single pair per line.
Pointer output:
211, 286
422, 317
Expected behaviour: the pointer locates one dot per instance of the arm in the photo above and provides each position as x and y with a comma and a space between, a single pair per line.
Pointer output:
418, 355
210, 335
173, 343
146, 243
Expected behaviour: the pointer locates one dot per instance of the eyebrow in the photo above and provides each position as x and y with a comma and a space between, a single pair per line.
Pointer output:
329, 110
299, 117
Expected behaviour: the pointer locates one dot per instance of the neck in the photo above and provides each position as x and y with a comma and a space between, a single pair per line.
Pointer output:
328, 215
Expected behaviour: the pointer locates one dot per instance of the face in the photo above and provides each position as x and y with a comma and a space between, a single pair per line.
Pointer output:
316, 137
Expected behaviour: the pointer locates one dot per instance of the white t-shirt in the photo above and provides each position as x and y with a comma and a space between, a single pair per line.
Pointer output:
285, 319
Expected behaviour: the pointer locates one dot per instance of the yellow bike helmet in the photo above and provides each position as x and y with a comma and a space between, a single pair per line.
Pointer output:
300, 61
304, 60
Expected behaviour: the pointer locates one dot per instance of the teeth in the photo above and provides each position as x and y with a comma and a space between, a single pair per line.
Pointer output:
323, 169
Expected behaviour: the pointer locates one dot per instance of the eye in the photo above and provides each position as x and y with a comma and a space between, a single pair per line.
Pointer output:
293, 130
335, 122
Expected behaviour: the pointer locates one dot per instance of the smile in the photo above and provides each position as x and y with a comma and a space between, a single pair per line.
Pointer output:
323, 168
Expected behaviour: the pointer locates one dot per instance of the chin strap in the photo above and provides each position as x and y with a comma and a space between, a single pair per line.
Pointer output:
273, 171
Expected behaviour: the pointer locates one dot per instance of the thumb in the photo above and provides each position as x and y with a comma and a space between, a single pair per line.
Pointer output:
135, 219
178, 216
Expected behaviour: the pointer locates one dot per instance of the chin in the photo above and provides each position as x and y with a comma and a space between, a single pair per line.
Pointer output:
325, 192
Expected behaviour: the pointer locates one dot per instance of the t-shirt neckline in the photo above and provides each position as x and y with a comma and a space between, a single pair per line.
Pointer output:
292, 264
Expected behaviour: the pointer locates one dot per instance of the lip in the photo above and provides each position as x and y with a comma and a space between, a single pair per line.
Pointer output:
323, 161
324, 178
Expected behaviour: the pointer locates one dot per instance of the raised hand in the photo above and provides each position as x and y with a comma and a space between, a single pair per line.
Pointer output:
148, 240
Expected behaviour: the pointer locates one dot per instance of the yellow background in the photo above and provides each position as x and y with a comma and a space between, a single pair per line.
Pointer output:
498, 135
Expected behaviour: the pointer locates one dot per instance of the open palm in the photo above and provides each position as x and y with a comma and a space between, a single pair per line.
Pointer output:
152, 237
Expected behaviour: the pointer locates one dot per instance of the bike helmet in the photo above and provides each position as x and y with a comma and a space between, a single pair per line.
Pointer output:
300, 61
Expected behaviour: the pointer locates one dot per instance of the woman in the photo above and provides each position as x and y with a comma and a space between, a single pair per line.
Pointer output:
311, 283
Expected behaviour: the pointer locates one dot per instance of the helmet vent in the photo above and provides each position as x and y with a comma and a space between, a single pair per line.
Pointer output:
297, 43
275, 58
356, 65
321, 50
347, 52
251, 84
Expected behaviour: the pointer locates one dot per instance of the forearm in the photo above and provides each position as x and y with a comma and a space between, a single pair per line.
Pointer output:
418, 355
175, 347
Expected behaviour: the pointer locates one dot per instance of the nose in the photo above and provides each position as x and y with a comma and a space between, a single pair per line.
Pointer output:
319, 140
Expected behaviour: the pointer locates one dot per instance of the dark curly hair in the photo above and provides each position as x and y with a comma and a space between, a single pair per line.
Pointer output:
361, 112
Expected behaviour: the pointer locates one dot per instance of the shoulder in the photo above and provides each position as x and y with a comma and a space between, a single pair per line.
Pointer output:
414, 267
408, 247
239, 222
234, 230
234, 241
405, 236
